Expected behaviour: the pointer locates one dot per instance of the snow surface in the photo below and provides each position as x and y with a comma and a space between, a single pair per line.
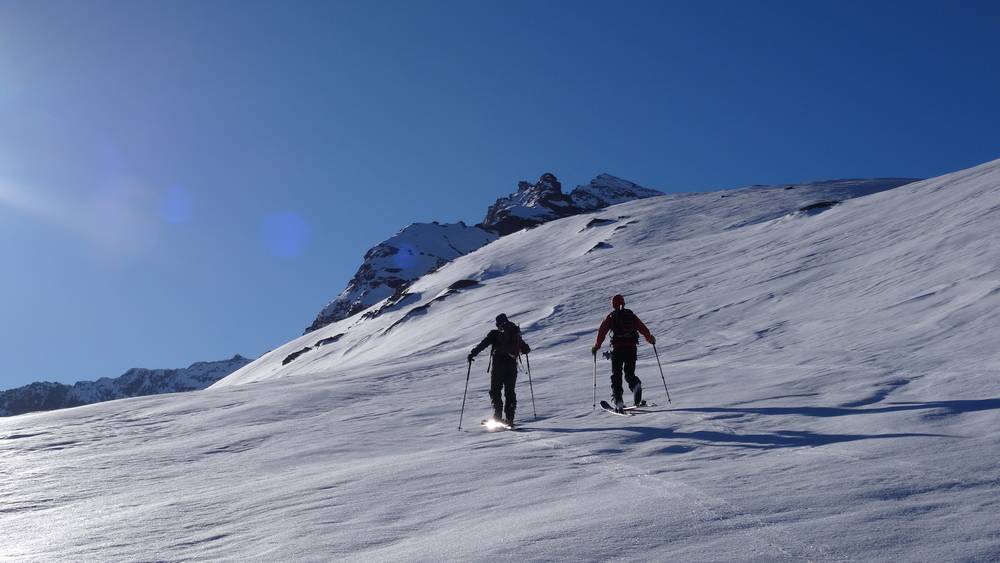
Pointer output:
834, 383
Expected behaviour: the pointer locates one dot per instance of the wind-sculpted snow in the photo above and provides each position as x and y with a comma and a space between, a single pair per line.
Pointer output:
832, 374
136, 382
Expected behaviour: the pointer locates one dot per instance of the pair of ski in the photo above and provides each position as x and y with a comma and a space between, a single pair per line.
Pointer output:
627, 411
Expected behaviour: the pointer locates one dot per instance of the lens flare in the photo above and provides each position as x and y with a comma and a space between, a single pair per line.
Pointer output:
113, 218
176, 206
284, 235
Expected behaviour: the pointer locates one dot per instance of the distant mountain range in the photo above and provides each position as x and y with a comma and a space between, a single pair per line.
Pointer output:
136, 382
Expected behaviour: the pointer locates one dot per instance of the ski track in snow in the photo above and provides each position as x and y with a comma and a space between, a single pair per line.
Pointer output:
834, 391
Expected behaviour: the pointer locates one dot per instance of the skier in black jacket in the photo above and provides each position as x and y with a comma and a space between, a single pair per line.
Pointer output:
507, 346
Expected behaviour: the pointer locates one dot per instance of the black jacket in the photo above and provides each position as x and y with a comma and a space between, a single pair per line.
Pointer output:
499, 357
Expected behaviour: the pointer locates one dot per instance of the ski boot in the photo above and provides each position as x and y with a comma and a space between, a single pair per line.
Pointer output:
619, 405
509, 420
637, 395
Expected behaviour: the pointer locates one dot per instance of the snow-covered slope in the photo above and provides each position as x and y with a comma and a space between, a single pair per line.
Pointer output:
392, 265
831, 367
136, 382
600, 245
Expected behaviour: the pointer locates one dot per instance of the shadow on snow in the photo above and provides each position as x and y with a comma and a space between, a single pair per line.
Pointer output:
947, 408
779, 439
789, 438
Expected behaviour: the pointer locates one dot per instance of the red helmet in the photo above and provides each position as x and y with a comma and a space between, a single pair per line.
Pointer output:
618, 302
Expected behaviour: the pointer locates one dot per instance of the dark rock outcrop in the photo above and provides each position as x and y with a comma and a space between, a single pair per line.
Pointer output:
818, 207
292, 357
531, 204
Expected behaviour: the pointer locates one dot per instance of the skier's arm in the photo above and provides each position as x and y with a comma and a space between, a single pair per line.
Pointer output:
644, 331
525, 349
602, 332
482, 345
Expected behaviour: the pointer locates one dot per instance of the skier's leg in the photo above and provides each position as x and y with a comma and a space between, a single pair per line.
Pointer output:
628, 362
634, 383
510, 394
496, 385
617, 362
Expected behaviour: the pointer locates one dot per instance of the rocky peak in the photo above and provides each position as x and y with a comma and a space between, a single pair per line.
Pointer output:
530, 205
544, 201
547, 183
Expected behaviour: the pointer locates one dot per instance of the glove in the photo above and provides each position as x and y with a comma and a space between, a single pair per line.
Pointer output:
651, 339
593, 351
471, 358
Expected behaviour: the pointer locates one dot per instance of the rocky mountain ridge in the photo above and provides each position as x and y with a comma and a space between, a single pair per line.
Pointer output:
136, 382
543, 201
392, 265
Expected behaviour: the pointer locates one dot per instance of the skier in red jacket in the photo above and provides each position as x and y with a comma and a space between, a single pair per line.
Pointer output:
625, 328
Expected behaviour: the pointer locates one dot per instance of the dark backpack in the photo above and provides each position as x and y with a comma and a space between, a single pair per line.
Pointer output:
509, 340
623, 327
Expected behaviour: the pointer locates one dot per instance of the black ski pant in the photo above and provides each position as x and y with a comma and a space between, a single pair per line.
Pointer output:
502, 383
623, 359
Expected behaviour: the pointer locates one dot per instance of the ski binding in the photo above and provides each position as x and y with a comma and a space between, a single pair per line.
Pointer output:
607, 406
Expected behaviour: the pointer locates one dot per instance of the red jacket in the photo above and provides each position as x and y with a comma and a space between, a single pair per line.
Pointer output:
607, 324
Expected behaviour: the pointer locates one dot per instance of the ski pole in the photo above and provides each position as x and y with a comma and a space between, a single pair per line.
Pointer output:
661, 373
530, 387
595, 380
460, 416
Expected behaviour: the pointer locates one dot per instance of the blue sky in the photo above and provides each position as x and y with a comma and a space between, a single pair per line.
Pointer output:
184, 181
